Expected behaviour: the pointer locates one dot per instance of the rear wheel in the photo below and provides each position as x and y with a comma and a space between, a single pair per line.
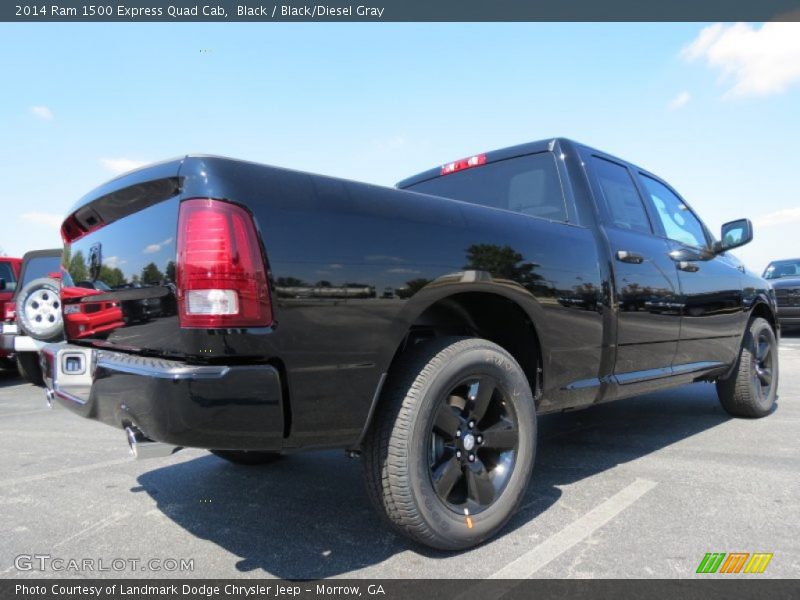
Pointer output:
28, 367
751, 390
450, 452
247, 457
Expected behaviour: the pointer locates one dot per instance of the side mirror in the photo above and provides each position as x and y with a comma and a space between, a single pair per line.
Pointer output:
734, 234
2, 284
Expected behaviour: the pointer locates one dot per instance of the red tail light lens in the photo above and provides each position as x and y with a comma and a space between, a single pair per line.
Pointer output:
464, 163
221, 275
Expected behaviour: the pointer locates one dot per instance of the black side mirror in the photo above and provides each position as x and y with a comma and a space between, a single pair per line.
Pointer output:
734, 234
2, 284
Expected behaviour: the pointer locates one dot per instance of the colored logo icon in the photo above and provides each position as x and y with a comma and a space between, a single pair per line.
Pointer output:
734, 562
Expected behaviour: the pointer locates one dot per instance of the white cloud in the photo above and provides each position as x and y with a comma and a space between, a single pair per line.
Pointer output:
121, 165
42, 112
113, 262
680, 101
153, 248
40, 218
785, 216
753, 61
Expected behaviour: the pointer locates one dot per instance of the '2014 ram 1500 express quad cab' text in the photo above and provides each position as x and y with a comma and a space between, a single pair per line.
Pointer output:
423, 327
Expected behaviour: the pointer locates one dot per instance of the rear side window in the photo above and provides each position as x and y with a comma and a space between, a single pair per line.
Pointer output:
622, 198
7, 273
527, 184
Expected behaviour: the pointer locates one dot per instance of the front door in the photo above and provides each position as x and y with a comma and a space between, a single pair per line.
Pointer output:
711, 286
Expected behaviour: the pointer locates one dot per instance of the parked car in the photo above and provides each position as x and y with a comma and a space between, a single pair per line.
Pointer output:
46, 302
33, 316
89, 319
138, 309
439, 389
9, 273
784, 275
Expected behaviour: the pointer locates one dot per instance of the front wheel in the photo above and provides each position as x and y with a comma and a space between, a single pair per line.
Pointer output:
751, 390
449, 454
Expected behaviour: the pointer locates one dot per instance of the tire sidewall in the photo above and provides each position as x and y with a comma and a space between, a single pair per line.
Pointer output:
56, 332
764, 403
450, 526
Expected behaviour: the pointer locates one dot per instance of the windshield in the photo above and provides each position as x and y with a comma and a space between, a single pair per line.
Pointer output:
7, 273
782, 268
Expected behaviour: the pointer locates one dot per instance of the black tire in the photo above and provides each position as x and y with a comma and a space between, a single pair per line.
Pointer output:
28, 366
247, 457
406, 448
39, 310
751, 389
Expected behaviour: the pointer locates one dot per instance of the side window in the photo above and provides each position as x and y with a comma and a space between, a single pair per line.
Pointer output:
622, 198
527, 184
7, 273
679, 222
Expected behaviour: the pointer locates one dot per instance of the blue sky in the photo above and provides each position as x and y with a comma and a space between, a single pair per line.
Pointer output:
714, 109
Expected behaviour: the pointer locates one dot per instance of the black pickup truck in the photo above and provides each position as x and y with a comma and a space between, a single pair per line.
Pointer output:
528, 280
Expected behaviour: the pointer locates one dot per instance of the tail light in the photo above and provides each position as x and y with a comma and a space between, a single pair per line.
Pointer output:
9, 311
221, 275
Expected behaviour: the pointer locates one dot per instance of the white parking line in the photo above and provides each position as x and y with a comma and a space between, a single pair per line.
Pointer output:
529, 563
60, 472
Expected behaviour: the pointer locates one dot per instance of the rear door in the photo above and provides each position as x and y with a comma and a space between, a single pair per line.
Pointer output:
645, 282
711, 285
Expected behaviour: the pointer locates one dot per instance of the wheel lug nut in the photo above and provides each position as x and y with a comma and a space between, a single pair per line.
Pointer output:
471, 424
458, 433
471, 458
458, 453
479, 439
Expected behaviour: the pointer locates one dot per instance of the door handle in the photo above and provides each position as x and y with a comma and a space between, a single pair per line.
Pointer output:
629, 257
689, 267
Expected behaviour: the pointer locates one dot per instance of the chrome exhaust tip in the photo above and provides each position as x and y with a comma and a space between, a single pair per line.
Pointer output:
142, 447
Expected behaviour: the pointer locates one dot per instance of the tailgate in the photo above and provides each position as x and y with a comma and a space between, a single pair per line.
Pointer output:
123, 246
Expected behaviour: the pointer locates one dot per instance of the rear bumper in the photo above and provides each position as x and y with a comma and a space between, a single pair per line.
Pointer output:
220, 407
11, 341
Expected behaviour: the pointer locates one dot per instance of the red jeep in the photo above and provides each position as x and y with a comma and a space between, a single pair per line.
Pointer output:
9, 275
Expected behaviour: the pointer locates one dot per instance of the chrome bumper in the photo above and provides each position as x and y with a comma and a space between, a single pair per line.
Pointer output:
12, 341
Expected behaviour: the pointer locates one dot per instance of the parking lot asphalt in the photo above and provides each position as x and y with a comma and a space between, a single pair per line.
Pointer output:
637, 488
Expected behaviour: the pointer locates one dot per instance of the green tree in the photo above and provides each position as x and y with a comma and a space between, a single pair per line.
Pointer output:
77, 267
151, 275
170, 272
503, 262
112, 277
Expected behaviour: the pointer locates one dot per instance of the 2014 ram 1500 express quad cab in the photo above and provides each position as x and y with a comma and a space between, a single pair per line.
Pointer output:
424, 327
